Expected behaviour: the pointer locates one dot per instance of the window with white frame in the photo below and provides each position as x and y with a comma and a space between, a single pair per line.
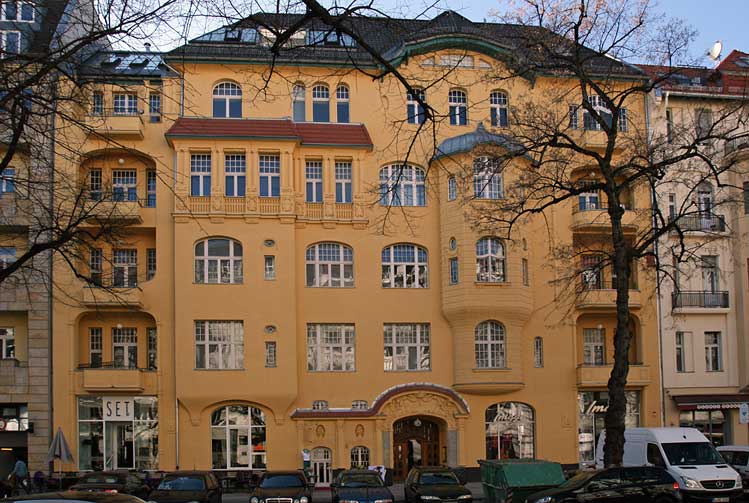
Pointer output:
402, 185
219, 344
320, 405
573, 117
125, 347
343, 192
154, 107
407, 346
124, 185
683, 351
458, 102
320, 103
313, 180
713, 352
359, 457
452, 189
10, 42
671, 207
594, 346
342, 103
490, 260
227, 100
330, 265
359, 405
7, 256
238, 438
95, 347
8, 181
499, 109
97, 103
7, 343
299, 106
404, 266
150, 263
125, 104
538, 352
218, 260
623, 120
599, 106
414, 110
200, 175
17, 11
330, 348
490, 345
95, 264
592, 272
95, 184
456, 60
125, 267
270, 175
151, 188
271, 356
270, 267
487, 178
235, 167
151, 348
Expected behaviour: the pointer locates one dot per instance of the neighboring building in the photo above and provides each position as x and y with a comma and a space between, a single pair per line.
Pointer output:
256, 309
704, 330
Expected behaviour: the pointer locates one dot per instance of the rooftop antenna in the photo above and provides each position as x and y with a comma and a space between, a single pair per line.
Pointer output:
715, 50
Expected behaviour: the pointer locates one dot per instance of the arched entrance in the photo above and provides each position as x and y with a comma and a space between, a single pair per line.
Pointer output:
320, 460
416, 442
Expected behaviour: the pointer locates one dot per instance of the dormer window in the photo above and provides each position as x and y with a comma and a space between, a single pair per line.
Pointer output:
320, 405
227, 100
232, 35
329, 38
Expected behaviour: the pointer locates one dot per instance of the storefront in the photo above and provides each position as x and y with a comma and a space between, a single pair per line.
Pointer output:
14, 428
716, 416
510, 431
592, 407
118, 433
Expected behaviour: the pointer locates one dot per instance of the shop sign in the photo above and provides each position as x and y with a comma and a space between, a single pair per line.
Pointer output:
118, 409
506, 416
744, 413
596, 408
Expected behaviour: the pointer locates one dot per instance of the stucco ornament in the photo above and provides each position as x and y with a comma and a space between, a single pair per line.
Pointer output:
422, 403
359, 431
320, 431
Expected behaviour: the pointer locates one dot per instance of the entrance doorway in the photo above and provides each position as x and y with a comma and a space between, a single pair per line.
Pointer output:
416, 442
320, 460
119, 445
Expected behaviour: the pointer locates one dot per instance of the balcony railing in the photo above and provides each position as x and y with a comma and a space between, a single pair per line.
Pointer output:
737, 144
707, 223
111, 365
699, 299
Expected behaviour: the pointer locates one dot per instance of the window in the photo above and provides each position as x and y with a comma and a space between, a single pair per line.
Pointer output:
125, 347
454, 274
524, 269
683, 349
487, 179
7, 343
95, 184
623, 120
238, 438
125, 104
498, 103
95, 260
343, 192
313, 174
320, 104
671, 207
270, 354
404, 266
710, 271
7, 256
151, 347
712, 423
510, 431
154, 107
654, 456
320, 405
592, 272
669, 126
330, 348
125, 268
538, 352
8, 181
218, 260
97, 103
414, 110
407, 346
298, 103
359, 405
270, 267
458, 107
359, 457
330, 265
490, 260
342, 103
17, 11
227, 100
150, 263
713, 352
219, 344
10, 42
452, 189
573, 123
594, 346
599, 106
490, 345
200, 175
704, 123
94, 347
124, 185
329, 38
235, 166
746, 197
151, 188
270, 176
402, 185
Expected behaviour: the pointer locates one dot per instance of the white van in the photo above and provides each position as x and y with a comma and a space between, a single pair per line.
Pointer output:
738, 457
687, 455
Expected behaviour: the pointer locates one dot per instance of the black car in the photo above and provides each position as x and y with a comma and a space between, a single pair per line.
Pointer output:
435, 483
614, 485
112, 482
363, 486
78, 496
184, 487
282, 487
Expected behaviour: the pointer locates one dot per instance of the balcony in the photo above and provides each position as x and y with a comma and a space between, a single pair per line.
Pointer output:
112, 297
126, 211
113, 124
707, 222
594, 376
595, 296
699, 300
109, 378
737, 145
595, 218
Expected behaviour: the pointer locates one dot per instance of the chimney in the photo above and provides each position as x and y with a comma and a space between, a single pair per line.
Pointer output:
148, 46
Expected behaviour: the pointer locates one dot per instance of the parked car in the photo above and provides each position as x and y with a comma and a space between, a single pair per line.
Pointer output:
275, 486
78, 497
642, 484
435, 483
112, 482
363, 486
187, 487
738, 457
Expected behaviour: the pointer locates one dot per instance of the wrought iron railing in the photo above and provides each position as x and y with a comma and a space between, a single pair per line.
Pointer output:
706, 299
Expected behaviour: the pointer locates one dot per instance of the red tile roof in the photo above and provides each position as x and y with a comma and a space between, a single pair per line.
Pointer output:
729, 78
306, 133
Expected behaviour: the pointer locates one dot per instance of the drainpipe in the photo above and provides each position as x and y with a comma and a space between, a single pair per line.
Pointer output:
50, 367
174, 319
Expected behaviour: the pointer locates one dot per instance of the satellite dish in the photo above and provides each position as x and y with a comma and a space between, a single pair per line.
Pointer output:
715, 50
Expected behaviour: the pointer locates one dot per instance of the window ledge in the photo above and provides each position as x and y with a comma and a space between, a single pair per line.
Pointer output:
406, 371
218, 284
493, 283
219, 370
492, 369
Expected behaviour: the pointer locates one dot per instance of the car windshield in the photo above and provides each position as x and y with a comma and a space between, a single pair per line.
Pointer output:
182, 484
360, 480
577, 480
278, 481
438, 478
101, 478
692, 453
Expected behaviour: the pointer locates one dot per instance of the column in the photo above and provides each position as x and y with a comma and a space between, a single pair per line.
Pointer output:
340, 446
253, 176
452, 447
287, 188
217, 180
462, 456
328, 184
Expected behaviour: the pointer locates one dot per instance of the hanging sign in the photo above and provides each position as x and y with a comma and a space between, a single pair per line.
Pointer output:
744, 413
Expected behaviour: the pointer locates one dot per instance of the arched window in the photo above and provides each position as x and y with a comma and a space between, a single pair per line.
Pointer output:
414, 110
342, 103
238, 438
402, 185
330, 265
359, 457
510, 431
321, 103
299, 104
499, 104
490, 260
490, 345
227, 100
218, 260
487, 178
452, 189
458, 107
404, 266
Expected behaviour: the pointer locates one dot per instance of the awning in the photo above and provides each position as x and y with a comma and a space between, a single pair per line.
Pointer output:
710, 402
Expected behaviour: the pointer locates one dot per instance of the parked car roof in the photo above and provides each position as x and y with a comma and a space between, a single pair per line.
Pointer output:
741, 448
85, 496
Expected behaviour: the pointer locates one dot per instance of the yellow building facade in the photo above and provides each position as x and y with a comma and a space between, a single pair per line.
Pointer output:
264, 307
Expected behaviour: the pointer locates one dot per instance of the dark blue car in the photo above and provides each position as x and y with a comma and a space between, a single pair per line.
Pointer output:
362, 486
